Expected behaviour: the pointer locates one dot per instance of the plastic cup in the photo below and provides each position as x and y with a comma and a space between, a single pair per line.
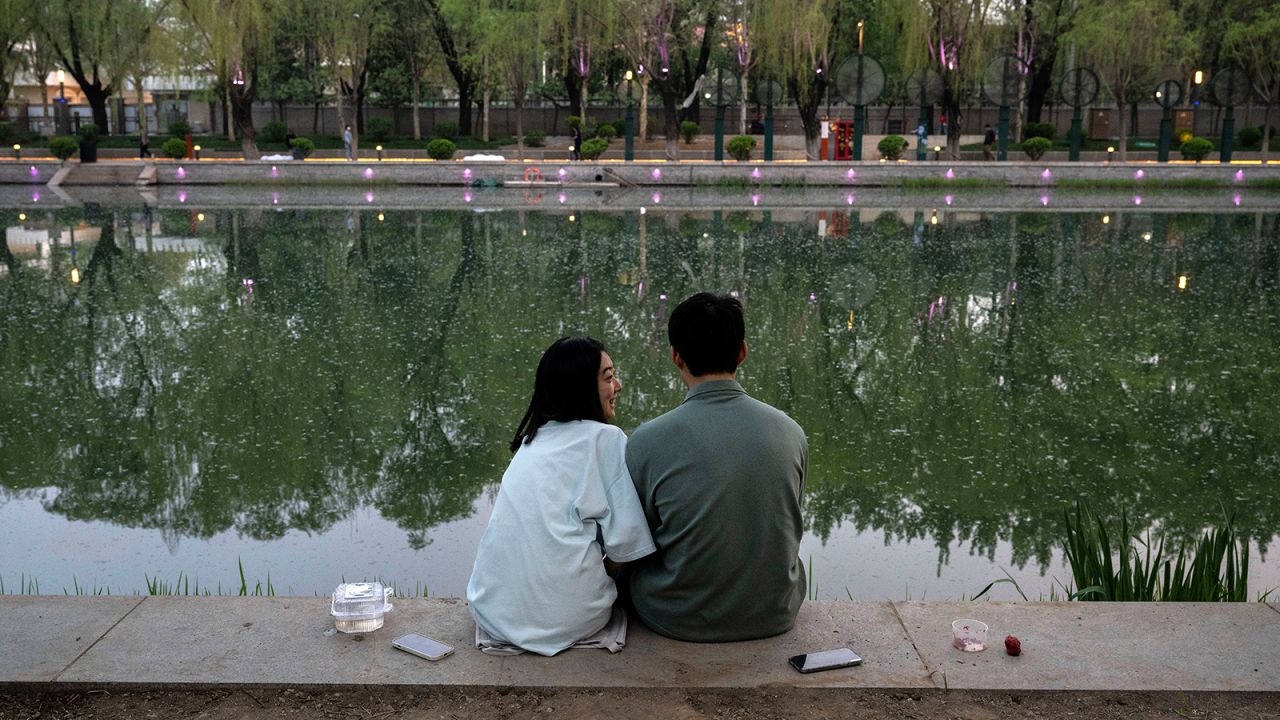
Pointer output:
969, 635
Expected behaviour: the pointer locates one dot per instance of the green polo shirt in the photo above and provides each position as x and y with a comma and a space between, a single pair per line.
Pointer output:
720, 479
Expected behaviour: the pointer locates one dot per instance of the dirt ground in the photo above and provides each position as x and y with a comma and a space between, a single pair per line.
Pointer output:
656, 704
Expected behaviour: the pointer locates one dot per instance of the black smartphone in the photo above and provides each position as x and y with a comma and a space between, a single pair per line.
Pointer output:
825, 660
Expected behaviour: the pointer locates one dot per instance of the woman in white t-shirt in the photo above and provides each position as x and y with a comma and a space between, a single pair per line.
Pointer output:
566, 503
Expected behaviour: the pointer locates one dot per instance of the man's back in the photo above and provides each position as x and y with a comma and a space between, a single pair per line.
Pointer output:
720, 478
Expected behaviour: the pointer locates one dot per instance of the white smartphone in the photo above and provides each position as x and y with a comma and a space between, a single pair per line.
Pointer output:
422, 646
825, 660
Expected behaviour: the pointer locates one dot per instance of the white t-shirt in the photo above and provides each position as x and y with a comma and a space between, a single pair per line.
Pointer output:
539, 581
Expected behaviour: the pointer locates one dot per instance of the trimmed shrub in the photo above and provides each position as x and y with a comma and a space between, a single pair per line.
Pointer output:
1249, 137
379, 129
535, 138
891, 147
447, 130
606, 131
574, 122
305, 145
441, 149
63, 146
88, 133
1036, 147
273, 132
740, 147
620, 127
594, 148
690, 130
174, 148
1038, 130
182, 128
1196, 149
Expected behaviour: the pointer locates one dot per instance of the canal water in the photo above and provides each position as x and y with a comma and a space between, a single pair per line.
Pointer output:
322, 395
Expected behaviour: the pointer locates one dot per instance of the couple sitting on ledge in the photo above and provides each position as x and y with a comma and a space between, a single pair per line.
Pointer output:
694, 524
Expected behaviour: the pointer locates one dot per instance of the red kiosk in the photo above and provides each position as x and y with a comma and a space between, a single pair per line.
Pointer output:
843, 131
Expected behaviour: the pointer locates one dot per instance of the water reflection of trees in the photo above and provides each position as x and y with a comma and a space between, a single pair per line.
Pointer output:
959, 382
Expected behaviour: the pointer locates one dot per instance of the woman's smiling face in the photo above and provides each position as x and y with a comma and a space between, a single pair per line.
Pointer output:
607, 380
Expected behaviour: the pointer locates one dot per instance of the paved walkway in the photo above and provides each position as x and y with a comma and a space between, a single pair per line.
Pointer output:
49, 642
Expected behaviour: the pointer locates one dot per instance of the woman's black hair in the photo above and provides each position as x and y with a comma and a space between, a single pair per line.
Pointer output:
565, 388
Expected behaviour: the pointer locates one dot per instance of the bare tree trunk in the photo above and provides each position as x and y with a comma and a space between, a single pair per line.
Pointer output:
1266, 131
417, 103
584, 105
520, 123
743, 95
228, 113
644, 107
1124, 134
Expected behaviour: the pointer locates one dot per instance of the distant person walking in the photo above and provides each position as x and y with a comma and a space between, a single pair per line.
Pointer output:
576, 153
988, 141
144, 144
922, 135
347, 140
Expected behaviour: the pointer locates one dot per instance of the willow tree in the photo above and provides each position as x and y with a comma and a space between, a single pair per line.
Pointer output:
143, 47
1120, 42
81, 35
13, 32
950, 37
232, 36
796, 42
511, 43
1255, 45
346, 32
451, 21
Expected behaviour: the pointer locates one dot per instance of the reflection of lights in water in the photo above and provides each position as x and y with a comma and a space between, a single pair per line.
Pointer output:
1139, 175
1236, 199
247, 282
1146, 236
850, 325
1137, 199
643, 210
1182, 282
657, 198
813, 296
640, 289
951, 174
75, 276
933, 219
573, 218
561, 197
1106, 219
662, 296
381, 217
182, 172
524, 232
22, 217
199, 217
657, 174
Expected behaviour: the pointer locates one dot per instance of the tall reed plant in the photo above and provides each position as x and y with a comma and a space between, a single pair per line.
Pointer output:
1128, 567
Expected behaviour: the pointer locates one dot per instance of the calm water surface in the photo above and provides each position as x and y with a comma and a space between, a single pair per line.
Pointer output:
328, 394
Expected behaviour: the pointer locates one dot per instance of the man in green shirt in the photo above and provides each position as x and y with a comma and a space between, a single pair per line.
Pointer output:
720, 479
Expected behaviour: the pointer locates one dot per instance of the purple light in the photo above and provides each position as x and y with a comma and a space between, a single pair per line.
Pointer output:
368, 173
467, 196
850, 174
1139, 175
813, 297
1239, 175
951, 174
35, 196
947, 200
466, 174
1048, 176
640, 289
848, 199
562, 172
1044, 200
657, 174
662, 296
1137, 199
248, 282
182, 197
368, 197
657, 198
35, 171
1236, 199
755, 174
275, 198
275, 172
755, 199
182, 172
561, 198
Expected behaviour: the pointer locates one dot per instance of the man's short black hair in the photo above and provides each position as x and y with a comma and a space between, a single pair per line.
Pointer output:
707, 330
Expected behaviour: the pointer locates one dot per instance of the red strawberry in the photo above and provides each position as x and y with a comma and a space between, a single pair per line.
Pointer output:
1012, 645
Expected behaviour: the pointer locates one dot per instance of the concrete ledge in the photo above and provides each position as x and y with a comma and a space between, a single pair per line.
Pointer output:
206, 642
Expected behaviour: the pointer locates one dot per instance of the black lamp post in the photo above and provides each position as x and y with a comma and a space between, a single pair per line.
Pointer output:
629, 153
63, 128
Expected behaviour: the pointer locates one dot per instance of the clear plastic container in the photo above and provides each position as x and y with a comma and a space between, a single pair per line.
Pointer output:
969, 635
360, 607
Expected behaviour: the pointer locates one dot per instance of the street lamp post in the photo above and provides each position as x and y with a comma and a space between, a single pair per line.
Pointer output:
63, 123
629, 153
1198, 79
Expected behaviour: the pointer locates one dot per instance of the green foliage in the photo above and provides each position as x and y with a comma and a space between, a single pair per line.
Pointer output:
574, 122
1036, 147
606, 131
182, 128
1196, 149
379, 129
1215, 570
63, 146
535, 138
740, 147
174, 148
441, 148
891, 146
594, 148
88, 133
273, 132
447, 130
1249, 137
306, 145
690, 130
1038, 130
